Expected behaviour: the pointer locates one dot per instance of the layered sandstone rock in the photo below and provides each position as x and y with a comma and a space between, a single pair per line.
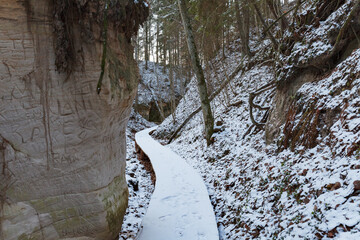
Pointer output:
62, 146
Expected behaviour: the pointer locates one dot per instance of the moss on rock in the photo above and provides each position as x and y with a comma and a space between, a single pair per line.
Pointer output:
116, 202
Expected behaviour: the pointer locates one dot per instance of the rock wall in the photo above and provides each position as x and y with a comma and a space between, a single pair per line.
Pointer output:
62, 146
315, 54
283, 99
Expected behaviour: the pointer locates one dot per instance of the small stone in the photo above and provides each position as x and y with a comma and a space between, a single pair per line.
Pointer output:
330, 234
329, 186
336, 186
343, 176
226, 152
135, 184
319, 236
304, 172
217, 130
357, 185
357, 167
319, 192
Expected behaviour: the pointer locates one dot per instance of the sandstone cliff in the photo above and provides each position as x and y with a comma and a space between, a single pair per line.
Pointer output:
62, 146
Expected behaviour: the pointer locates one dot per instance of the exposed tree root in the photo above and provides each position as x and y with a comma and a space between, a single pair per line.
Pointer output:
328, 60
252, 96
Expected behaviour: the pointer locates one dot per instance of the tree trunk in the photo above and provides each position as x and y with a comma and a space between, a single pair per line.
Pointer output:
243, 27
205, 103
276, 11
265, 26
146, 44
164, 54
157, 41
172, 88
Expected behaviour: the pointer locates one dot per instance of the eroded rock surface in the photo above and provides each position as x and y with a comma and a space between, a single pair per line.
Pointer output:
62, 146
282, 101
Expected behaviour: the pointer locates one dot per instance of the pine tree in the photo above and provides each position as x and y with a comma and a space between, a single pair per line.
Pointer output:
195, 61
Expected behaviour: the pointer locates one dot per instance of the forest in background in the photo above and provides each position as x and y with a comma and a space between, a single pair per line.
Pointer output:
282, 26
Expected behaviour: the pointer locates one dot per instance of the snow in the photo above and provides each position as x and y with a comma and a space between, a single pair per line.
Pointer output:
155, 83
143, 2
190, 101
316, 41
180, 207
344, 77
139, 181
258, 192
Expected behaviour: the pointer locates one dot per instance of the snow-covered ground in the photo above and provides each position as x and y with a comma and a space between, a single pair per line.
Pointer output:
180, 207
291, 189
265, 192
139, 181
155, 83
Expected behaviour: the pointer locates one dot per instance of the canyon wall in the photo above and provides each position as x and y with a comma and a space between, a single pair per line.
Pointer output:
62, 145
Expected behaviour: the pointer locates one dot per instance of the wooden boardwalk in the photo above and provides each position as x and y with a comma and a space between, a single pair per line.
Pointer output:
180, 208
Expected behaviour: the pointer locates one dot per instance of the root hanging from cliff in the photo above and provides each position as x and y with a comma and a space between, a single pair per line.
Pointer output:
268, 87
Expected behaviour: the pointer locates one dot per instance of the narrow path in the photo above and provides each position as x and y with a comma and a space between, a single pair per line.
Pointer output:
180, 207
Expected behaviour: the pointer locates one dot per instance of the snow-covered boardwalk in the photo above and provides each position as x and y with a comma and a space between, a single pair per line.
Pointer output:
180, 207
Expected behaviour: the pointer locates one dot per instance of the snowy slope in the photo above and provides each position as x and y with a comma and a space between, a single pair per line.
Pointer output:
156, 97
155, 83
267, 192
306, 184
190, 101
